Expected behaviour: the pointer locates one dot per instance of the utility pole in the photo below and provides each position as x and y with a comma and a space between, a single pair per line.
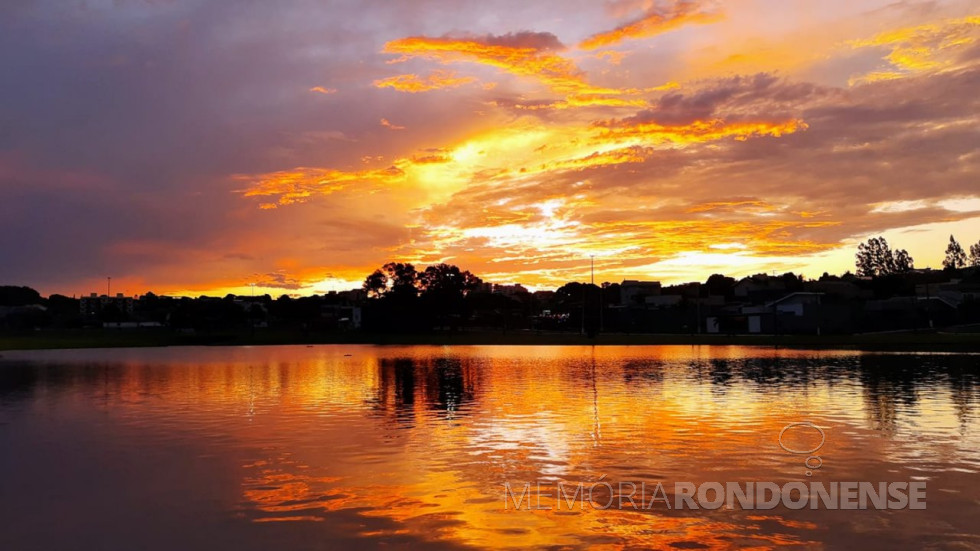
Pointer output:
602, 307
108, 286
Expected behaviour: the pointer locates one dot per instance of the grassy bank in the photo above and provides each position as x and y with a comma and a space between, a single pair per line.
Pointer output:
101, 338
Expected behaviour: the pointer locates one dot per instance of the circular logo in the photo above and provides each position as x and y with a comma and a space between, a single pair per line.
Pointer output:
823, 437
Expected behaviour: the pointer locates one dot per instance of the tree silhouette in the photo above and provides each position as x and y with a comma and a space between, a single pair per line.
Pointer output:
446, 279
393, 279
18, 296
902, 262
874, 258
376, 284
975, 254
444, 290
955, 257
719, 284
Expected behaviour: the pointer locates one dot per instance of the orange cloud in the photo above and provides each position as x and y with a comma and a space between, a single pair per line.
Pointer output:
653, 22
322, 90
299, 184
699, 130
430, 159
601, 158
749, 205
579, 100
522, 54
612, 56
525, 151
920, 48
651, 193
543, 243
414, 83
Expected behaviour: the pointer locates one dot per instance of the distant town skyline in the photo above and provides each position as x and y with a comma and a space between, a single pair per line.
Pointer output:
194, 147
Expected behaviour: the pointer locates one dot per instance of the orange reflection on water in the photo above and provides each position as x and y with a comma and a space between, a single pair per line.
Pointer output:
426, 438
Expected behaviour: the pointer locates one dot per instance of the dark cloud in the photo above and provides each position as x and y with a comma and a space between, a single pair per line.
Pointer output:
278, 280
733, 98
541, 41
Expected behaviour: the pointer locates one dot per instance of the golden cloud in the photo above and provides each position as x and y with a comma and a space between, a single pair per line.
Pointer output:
653, 22
582, 100
299, 184
920, 48
699, 130
516, 152
412, 83
549, 239
523, 54
322, 90
430, 159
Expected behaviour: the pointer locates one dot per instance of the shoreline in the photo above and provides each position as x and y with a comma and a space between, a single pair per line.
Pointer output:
101, 338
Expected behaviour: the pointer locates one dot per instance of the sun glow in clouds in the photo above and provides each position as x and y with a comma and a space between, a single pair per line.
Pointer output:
675, 138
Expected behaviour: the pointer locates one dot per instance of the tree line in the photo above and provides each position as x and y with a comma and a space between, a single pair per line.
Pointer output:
433, 297
398, 297
875, 258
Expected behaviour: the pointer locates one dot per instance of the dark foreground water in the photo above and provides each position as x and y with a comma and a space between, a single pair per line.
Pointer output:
388, 447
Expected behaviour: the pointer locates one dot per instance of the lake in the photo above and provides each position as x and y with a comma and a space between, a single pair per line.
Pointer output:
296, 447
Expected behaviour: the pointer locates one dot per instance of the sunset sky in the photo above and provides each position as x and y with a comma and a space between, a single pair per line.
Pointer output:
191, 147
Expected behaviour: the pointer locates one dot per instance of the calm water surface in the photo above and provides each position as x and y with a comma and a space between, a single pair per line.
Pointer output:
410, 447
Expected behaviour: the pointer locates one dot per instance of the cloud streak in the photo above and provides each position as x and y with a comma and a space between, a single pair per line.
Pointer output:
929, 47
525, 54
436, 80
655, 20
